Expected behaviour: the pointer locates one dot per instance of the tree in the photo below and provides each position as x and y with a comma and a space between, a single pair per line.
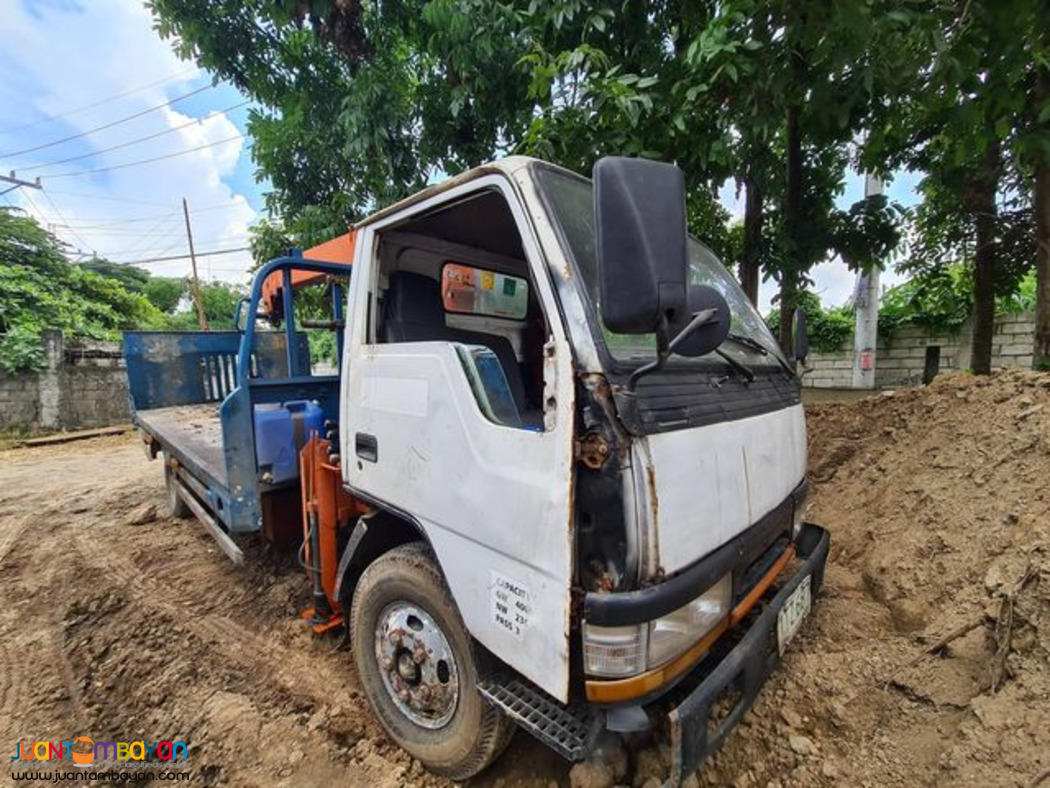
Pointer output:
220, 304
360, 103
1035, 145
958, 120
40, 288
771, 92
165, 293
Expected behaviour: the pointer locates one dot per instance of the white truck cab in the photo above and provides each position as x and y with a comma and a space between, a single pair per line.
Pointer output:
583, 456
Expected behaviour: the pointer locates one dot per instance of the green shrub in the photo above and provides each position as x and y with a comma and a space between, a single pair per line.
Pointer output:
22, 351
829, 329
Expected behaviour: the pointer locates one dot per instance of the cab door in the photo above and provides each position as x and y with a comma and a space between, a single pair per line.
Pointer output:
493, 500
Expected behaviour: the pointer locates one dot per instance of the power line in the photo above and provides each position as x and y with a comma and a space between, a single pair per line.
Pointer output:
144, 161
67, 113
58, 213
109, 125
109, 199
129, 143
144, 250
137, 246
138, 219
128, 201
212, 253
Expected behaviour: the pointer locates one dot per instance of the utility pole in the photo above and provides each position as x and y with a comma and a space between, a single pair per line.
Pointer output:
866, 310
18, 182
195, 283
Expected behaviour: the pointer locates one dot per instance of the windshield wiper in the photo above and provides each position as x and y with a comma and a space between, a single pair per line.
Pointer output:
746, 341
754, 344
741, 369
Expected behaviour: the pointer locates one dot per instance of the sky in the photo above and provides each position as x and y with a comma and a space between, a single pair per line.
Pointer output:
69, 67
58, 57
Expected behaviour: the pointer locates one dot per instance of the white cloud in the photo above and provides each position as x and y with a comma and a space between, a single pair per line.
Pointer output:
60, 56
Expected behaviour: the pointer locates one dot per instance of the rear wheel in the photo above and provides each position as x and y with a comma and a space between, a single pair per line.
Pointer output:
417, 665
176, 506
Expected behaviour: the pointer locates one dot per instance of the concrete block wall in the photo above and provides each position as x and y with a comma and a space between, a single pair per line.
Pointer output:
83, 386
901, 357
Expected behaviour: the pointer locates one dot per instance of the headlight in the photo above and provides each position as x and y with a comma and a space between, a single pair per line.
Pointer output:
616, 652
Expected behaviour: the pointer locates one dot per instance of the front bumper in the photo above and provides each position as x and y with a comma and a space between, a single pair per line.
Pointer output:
743, 670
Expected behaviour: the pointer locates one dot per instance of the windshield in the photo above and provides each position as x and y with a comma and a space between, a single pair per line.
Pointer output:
571, 202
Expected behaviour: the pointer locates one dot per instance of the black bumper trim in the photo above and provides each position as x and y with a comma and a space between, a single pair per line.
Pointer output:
745, 668
636, 607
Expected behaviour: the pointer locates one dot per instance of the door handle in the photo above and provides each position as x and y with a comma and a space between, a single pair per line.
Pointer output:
366, 446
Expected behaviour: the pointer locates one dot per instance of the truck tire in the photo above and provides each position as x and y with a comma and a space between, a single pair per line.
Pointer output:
176, 506
419, 668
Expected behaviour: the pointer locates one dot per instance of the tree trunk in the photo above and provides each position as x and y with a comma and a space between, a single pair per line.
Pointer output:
982, 206
751, 257
1041, 349
793, 227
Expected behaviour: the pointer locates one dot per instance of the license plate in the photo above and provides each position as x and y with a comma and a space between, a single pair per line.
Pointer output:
792, 614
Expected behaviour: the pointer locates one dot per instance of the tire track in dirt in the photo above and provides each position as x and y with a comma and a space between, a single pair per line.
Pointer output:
296, 672
10, 531
12, 678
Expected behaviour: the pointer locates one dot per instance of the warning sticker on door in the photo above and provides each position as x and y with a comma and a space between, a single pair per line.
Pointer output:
511, 604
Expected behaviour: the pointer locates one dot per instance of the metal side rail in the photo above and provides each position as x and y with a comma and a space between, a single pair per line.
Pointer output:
571, 732
226, 544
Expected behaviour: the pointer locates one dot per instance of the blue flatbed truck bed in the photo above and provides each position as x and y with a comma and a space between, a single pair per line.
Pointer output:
196, 398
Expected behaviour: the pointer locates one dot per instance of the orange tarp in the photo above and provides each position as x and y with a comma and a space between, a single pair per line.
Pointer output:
338, 250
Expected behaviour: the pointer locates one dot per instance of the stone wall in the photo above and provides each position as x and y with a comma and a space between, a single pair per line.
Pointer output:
83, 386
900, 358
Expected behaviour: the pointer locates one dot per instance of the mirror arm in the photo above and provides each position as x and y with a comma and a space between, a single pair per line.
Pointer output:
701, 318
663, 351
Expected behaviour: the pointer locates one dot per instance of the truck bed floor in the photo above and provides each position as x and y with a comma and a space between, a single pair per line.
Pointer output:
193, 430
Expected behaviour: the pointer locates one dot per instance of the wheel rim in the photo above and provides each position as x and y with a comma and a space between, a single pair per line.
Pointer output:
417, 665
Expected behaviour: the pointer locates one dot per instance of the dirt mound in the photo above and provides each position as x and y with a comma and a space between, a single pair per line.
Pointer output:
927, 660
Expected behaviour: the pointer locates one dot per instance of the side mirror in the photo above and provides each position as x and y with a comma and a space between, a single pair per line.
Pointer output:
801, 348
239, 314
639, 209
708, 335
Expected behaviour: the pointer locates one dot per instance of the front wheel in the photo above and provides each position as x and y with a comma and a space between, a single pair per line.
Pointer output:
417, 665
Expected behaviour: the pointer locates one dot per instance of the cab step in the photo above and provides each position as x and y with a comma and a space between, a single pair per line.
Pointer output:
571, 732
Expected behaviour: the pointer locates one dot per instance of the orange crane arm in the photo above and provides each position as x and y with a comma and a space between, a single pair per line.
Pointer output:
337, 250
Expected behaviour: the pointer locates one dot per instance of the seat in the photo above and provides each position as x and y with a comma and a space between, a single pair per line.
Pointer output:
414, 312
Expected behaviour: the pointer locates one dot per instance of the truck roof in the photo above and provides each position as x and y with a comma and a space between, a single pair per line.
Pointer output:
507, 166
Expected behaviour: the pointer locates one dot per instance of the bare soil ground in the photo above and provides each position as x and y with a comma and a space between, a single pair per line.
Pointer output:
939, 507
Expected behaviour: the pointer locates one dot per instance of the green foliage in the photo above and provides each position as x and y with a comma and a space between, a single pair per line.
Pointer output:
22, 351
359, 104
323, 346
940, 301
40, 289
414, 90
220, 304
1023, 299
829, 329
133, 279
165, 293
